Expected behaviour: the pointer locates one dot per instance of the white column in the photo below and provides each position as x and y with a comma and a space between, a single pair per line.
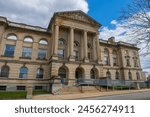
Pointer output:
98, 49
56, 40
94, 48
71, 47
85, 47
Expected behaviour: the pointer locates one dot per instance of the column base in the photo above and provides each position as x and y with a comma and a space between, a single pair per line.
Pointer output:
86, 60
99, 61
55, 57
71, 58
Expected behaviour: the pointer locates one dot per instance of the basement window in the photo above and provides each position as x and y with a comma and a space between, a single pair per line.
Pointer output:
21, 88
2, 88
38, 87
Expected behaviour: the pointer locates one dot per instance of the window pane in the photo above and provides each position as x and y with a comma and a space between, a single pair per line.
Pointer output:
44, 42
23, 72
5, 71
40, 73
26, 52
76, 54
42, 54
61, 41
61, 53
3, 88
23, 88
12, 37
28, 39
114, 61
9, 50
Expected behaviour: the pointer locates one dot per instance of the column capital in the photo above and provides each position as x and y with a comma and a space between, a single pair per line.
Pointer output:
57, 24
72, 28
86, 31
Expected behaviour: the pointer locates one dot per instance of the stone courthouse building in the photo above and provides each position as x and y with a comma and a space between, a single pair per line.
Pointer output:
70, 48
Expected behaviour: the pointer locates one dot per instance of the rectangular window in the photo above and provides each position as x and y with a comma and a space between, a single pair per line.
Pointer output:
2, 88
9, 50
38, 87
135, 63
76, 55
106, 61
89, 55
61, 53
114, 61
21, 88
42, 53
26, 52
128, 62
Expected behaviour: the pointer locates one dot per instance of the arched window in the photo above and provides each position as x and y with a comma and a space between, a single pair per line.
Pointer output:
4, 71
62, 72
76, 44
117, 75
23, 72
43, 42
106, 57
40, 73
129, 75
137, 76
28, 39
12, 37
108, 75
114, 58
62, 41
79, 73
93, 73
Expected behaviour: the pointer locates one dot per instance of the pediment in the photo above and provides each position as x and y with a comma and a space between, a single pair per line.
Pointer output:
78, 16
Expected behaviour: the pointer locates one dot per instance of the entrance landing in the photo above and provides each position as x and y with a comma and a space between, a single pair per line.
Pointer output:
84, 95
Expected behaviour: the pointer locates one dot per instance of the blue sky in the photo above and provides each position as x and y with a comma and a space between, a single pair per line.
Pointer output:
39, 13
104, 11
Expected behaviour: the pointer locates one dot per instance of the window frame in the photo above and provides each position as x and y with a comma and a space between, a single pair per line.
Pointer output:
26, 52
39, 73
42, 51
6, 50
26, 39
11, 35
23, 73
5, 71
45, 42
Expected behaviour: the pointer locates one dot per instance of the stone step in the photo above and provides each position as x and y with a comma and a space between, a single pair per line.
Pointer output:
79, 89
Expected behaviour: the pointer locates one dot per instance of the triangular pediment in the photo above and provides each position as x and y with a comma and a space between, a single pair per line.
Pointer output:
79, 16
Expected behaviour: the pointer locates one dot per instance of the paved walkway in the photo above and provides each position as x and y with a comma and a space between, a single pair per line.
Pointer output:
84, 95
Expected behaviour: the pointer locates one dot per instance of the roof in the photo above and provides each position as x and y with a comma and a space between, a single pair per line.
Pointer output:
75, 15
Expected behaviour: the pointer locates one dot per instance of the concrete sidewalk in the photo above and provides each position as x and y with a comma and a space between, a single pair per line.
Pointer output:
84, 95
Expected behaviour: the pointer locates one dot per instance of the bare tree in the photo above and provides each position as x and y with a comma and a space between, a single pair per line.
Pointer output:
137, 18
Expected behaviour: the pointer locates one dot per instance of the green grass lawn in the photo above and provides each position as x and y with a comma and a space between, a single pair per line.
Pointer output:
12, 95
18, 95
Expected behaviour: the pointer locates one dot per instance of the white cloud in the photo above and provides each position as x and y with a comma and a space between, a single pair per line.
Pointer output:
114, 22
121, 34
38, 12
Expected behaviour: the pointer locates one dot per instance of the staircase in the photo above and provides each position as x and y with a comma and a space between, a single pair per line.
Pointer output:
76, 90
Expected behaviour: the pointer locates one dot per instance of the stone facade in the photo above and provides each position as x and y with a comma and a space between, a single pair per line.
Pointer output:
69, 47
